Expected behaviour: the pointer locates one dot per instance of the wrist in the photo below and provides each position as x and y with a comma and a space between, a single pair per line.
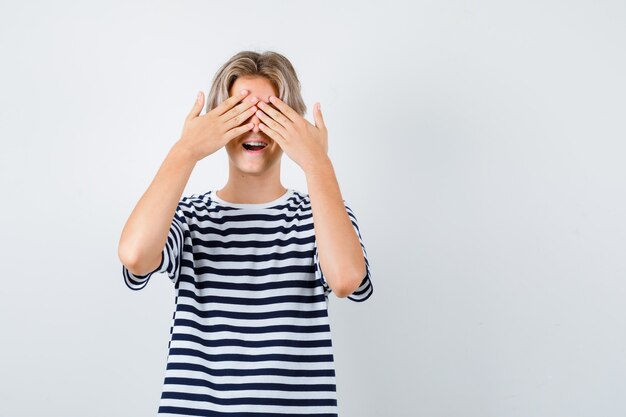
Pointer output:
183, 153
318, 165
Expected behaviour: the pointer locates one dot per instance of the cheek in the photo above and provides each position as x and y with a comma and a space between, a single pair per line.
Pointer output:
231, 146
278, 151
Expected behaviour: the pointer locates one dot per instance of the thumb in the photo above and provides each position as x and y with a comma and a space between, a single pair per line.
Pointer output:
317, 115
197, 106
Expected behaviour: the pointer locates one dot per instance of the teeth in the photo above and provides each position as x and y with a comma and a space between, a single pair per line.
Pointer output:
255, 143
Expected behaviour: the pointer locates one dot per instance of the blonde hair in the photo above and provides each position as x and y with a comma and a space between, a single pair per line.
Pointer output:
271, 65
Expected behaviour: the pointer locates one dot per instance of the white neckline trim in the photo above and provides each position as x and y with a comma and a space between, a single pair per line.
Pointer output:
279, 200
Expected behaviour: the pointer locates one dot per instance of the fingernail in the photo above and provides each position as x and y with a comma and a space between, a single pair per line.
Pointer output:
243, 92
199, 95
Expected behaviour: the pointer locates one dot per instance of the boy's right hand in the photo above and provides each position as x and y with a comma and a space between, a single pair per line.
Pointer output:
204, 135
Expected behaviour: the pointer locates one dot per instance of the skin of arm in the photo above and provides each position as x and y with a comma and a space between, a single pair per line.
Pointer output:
147, 227
339, 250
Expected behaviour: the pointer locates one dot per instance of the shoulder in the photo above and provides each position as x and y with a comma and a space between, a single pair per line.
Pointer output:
192, 205
299, 198
199, 201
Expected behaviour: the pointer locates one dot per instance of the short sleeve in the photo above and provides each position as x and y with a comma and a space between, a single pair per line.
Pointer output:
171, 255
365, 289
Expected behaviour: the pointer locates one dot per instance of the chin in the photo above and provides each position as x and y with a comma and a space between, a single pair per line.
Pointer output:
254, 167
251, 170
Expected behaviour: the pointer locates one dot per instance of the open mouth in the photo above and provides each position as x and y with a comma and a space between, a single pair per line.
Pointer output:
254, 146
251, 147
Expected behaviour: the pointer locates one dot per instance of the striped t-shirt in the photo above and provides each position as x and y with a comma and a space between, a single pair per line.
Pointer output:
250, 332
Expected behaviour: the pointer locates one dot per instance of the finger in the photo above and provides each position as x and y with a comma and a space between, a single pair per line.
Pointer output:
285, 109
273, 124
272, 134
227, 104
275, 114
197, 106
239, 109
317, 115
239, 119
240, 130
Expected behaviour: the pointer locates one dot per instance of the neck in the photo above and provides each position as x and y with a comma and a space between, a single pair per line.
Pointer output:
244, 188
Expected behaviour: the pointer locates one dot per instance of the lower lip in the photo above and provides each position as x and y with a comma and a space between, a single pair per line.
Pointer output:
257, 152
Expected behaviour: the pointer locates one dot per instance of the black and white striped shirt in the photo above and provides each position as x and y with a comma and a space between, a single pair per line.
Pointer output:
250, 333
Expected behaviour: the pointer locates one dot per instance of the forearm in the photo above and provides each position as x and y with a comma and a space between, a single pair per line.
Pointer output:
146, 229
338, 246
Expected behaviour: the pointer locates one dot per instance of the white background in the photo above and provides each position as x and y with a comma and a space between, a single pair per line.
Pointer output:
481, 145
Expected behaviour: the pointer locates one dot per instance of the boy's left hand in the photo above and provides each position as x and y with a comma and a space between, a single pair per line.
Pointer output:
303, 142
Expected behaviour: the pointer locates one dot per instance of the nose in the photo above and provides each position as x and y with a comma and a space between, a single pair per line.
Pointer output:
255, 119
